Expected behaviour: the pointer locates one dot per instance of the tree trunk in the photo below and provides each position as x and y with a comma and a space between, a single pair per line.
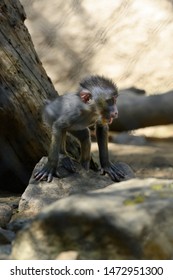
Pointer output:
23, 87
136, 111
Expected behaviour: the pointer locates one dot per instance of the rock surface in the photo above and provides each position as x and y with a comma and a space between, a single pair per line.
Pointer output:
8, 205
5, 214
129, 220
40, 194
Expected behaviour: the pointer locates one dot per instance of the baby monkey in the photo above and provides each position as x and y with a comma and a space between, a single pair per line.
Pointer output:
93, 103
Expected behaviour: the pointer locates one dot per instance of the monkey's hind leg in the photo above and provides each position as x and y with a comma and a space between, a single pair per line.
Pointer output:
68, 163
65, 160
94, 165
86, 159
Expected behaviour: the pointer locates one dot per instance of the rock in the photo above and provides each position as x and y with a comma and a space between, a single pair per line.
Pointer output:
129, 220
5, 214
5, 251
6, 236
19, 221
40, 194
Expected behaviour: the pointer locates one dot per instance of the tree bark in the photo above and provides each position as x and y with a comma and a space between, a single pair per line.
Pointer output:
137, 111
23, 87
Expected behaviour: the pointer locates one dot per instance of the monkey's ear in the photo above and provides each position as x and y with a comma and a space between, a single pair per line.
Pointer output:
85, 95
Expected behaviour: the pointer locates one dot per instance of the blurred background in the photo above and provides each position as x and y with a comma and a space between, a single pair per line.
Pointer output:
130, 41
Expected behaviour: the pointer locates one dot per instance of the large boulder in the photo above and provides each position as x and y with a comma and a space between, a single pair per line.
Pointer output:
129, 220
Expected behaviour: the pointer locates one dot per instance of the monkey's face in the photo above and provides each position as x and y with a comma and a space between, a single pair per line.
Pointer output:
107, 109
102, 94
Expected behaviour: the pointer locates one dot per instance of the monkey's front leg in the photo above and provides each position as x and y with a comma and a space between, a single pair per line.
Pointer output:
108, 167
57, 151
49, 170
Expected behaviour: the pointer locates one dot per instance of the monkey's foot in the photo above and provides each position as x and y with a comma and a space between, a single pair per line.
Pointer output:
114, 171
68, 163
45, 173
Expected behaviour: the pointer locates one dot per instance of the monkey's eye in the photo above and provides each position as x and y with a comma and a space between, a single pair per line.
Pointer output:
111, 101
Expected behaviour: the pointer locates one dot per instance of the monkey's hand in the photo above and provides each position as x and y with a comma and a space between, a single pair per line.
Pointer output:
115, 173
46, 173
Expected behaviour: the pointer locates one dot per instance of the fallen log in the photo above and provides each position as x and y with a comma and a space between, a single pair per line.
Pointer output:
138, 111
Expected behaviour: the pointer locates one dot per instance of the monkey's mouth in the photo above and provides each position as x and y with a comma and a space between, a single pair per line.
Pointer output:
110, 120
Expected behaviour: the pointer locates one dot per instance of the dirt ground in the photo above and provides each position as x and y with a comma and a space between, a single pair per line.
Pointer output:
149, 153
152, 160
